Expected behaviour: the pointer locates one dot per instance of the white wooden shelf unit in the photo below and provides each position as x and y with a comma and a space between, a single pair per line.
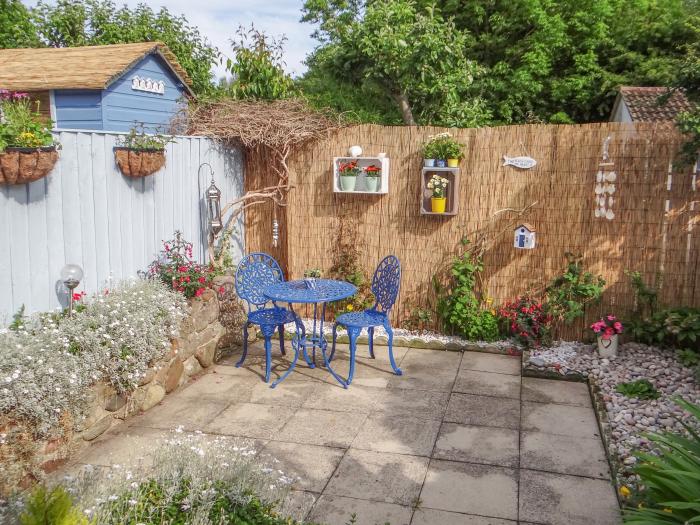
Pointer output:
360, 185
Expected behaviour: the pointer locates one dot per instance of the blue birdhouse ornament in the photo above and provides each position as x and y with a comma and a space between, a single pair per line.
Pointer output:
524, 237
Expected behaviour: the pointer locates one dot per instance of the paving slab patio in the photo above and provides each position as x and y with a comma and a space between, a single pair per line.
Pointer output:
459, 439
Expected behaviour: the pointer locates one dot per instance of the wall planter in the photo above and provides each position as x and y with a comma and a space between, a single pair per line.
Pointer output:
139, 162
449, 205
24, 165
361, 183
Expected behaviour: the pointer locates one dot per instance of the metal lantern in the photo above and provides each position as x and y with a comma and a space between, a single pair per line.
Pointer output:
71, 275
214, 206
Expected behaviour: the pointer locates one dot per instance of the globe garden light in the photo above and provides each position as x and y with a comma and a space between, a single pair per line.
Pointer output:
71, 275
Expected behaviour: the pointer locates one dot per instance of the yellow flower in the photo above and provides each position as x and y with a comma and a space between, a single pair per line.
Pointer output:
624, 491
640, 506
669, 510
489, 300
350, 308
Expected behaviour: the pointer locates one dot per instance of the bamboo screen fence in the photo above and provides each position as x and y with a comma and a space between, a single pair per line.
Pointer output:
652, 231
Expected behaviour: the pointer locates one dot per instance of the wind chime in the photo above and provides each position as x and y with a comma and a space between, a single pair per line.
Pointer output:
275, 227
605, 185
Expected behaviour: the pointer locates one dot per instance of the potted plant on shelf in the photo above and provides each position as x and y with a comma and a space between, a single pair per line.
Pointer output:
452, 151
139, 154
607, 330
28, 151
348, 172
438, 187
430, 153
373, 177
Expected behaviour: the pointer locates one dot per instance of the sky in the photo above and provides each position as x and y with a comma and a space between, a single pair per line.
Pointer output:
219, 19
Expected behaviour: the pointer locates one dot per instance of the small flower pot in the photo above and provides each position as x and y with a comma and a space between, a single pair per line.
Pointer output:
372, 183
347, 183
452, 163
139, 162
429, 163
24, 165
441, 163
437, 204
608, 347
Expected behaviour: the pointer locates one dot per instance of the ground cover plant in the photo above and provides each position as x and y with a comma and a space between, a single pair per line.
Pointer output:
193, 479
641, 389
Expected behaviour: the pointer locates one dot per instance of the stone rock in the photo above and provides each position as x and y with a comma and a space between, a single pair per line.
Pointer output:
162, 371
186, 326
93, 414
53, 465
172, 379
147, 377
207, 295
205, 353
210, 312
154, 394
114, 402
191, 366
98, 428
536, 361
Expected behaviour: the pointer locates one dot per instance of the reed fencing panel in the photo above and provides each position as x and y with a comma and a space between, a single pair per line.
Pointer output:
86, 212
653, 231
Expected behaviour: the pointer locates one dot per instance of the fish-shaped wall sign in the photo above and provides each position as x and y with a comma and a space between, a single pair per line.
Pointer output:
524, 163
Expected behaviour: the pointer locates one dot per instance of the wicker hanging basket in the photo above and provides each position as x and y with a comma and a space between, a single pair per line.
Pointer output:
24, 165
139, 162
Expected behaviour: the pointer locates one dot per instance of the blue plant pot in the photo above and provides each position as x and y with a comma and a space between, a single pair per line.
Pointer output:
441, 163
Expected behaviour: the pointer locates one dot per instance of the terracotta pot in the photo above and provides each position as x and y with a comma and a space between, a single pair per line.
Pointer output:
139, 163
24, 165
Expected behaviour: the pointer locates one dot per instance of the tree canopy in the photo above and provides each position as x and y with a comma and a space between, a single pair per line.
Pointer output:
529, 60
16, 28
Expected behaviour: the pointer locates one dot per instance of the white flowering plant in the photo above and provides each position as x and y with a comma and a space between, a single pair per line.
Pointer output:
438, 185
48, 362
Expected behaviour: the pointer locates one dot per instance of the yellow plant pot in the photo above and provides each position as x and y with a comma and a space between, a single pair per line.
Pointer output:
438, 204
452, 163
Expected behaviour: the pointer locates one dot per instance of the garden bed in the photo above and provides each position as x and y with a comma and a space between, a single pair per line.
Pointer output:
624, 421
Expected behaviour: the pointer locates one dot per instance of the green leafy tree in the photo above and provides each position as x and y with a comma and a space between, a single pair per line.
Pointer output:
16, 28
540, 60
412, 56
257, 68
96, 22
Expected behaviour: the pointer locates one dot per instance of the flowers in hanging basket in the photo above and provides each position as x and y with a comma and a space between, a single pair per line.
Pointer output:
373, 171
348, 169
607, 327
21, 124
438, 185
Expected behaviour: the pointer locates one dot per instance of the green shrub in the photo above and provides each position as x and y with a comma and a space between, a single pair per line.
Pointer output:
568, 294
641, 389
459, 308
673, 327
51, 507
670, 478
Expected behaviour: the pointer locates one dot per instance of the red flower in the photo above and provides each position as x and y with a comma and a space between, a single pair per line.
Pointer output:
222, 289
202, 279
78, 296
199, 292
182, 269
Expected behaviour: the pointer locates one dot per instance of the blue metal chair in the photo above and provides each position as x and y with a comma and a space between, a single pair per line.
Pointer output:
254, 273
385, 287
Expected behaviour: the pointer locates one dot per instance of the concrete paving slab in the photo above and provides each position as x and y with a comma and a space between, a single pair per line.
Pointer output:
483, 362
131, 447
442, 517
287, 393
484, 490
557, 499
379, 476
564, 420
222, 387
468, 409
487, 384
397, 434
422, 404
551, 391
564, 454
337, 510
297, 504
187, 412
322, 427
417, 377
312, 464
356, 398
488, 445
251, 420
432, 358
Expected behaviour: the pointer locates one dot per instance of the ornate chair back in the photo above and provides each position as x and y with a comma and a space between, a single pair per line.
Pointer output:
255, 272
386, 283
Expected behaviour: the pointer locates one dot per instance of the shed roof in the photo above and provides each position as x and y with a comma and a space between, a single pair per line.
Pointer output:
526, 226
87, 67
644, 105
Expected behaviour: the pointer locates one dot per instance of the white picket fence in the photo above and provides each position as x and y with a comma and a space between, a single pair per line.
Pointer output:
86, 212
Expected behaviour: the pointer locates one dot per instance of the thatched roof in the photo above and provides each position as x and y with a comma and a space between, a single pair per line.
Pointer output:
88, 67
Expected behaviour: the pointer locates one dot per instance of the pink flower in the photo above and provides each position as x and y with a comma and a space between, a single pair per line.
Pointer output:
199, 292
611, 318
618, 327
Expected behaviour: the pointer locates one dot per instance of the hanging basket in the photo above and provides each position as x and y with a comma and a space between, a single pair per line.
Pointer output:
139, 162
24, 165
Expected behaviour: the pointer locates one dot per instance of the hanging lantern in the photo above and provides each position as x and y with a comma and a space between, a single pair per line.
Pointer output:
214, 207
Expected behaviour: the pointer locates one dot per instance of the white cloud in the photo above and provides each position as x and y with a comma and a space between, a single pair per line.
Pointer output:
218, 21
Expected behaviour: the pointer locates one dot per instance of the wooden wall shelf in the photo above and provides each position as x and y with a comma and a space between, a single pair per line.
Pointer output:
452, 204
360, 184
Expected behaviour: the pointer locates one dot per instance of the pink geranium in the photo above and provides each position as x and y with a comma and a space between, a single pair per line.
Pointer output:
607, 327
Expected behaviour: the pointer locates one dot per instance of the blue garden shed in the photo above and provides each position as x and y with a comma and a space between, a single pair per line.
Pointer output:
109, 88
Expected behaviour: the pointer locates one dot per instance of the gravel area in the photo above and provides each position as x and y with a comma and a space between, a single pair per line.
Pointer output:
629, 418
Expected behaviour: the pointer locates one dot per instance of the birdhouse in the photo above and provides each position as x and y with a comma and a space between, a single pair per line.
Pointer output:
524, 237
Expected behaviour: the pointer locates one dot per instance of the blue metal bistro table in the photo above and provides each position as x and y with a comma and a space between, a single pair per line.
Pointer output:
316, 292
